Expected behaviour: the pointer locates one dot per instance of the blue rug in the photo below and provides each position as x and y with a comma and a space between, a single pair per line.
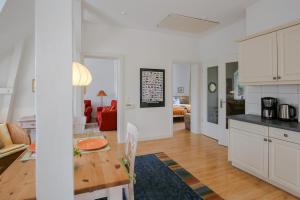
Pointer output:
160, 178
155, 181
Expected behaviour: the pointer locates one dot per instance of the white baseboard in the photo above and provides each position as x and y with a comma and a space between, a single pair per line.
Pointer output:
196, 131
156, 137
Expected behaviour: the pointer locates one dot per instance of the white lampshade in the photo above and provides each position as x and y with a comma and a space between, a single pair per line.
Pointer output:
81, 75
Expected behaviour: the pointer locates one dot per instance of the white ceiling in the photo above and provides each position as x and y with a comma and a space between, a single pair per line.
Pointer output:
16, 22
147, 14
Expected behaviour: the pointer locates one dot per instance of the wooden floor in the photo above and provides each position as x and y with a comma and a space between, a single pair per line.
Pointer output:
207, 161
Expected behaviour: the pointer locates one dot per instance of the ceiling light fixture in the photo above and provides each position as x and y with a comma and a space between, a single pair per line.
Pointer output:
183, 23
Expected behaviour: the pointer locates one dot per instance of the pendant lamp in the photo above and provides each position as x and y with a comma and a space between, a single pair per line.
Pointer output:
81, 75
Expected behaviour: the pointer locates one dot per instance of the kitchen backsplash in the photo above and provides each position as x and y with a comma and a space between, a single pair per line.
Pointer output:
289, 94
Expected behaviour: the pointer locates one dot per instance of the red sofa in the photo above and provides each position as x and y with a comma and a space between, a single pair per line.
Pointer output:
88, 110
107, 117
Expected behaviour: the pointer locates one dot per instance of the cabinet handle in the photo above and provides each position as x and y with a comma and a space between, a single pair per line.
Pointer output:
274, 78
265, 139
279, 77
285, 135
270, 140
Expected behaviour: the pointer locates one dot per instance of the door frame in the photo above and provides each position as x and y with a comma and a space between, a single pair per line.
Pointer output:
195, 117
219, 131
120, 90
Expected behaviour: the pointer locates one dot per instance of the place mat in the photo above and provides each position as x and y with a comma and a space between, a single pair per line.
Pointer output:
28, 155
106, 148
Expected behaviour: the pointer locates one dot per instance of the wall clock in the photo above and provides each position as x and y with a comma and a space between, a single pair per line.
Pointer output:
212, 87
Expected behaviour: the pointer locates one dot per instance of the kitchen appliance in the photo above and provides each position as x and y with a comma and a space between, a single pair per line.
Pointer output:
269, 107
287, 112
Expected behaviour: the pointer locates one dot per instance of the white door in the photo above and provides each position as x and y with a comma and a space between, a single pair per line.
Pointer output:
249, 151
211, 124
225, 101
288, 54
285, 164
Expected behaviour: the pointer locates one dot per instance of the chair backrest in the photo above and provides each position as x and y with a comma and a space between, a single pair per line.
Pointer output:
114, 103
130, 152
87, 103
130, 146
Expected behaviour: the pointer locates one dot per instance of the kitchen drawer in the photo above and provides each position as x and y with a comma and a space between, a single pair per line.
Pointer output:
249, 127
285, 135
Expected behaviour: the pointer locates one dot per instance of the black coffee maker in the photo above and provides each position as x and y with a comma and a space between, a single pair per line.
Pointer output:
269, 107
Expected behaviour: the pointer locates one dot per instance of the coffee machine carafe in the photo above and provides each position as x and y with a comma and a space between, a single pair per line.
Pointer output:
269, 108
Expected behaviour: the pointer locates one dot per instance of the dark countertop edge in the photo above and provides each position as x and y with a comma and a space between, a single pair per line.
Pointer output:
256, 119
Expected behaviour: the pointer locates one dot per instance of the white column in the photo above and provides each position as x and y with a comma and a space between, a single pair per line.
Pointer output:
53, 40
196, 98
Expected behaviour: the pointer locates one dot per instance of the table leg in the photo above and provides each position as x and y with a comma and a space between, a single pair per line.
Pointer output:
115, 193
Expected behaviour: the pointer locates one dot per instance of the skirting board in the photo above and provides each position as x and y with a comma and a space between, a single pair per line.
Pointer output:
156, 137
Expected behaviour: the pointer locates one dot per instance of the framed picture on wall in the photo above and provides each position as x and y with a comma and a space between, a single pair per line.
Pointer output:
152, 88
180, 90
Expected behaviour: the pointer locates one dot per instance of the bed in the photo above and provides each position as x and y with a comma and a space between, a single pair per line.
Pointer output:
181, 106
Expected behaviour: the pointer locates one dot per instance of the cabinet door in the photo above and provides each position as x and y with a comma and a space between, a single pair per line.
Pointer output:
249, 152
258, 59
285, 164
288, 54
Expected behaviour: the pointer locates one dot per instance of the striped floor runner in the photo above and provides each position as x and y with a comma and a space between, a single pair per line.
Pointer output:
202, 190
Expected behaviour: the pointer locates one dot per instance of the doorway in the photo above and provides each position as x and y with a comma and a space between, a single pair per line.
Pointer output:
105, 92
223, 97
181, 97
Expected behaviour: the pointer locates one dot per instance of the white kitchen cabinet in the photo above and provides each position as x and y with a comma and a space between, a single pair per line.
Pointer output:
271, 57
272, 154
258, 59
249, 151
284, 165
288, 54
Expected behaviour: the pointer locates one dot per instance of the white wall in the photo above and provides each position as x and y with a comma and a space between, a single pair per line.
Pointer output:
181, 78
5, 61
103, 73
142, 49
23, 101
222, 44
270, 13
218, 48
261, 16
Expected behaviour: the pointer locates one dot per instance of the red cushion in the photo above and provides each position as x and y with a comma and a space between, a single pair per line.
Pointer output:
87, 103
106, 109
114, 103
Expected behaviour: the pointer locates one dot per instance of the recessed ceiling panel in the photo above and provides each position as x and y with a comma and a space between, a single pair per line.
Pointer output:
186, 24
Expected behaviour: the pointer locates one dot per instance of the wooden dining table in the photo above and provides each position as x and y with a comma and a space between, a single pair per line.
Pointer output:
96, 175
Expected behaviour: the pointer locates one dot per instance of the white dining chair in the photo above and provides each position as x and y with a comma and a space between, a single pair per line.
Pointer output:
130, 153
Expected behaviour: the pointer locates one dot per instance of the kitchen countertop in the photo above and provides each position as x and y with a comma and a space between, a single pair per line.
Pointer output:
256, 119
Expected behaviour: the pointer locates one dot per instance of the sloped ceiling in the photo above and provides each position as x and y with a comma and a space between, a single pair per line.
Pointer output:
16, 22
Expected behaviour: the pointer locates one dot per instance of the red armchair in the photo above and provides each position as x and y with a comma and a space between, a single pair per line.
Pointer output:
107, 117
88, 110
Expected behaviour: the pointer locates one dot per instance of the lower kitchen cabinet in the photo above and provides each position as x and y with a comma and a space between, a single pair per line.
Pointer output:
249, 152
273, 156
284, 164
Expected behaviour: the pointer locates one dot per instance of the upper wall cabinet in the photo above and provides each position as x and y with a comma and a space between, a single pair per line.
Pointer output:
289, 54
271, 57
258, 59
